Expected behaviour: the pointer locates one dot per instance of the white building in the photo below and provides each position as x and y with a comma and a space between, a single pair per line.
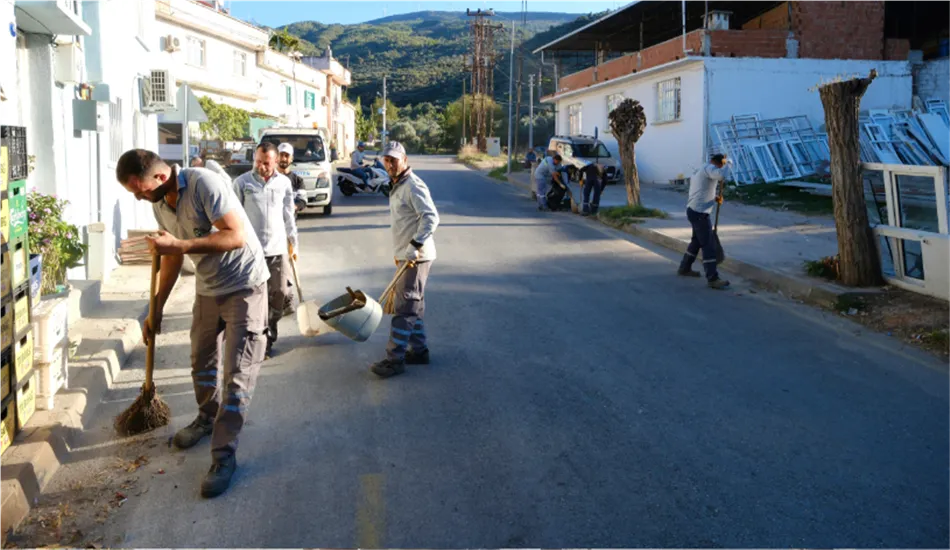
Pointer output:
764, 58
73, 81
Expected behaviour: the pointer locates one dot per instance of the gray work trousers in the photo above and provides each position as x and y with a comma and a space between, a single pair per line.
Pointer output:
408, 328
278, 293
227, 331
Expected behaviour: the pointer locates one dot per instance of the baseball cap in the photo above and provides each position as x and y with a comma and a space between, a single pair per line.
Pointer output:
286, 148
394, 149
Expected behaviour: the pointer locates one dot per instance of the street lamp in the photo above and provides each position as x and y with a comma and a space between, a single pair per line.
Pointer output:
295, 56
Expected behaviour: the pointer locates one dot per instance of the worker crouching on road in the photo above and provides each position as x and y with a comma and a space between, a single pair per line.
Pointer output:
592, 179
548, 169
268, 198
199, 215
414, 219
703, 196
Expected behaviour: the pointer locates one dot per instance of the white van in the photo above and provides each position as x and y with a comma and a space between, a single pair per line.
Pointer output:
311, 162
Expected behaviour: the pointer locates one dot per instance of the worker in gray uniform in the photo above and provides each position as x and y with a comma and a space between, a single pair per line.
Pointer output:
199, 215
414, 219
268, 198
547, 170
703, 196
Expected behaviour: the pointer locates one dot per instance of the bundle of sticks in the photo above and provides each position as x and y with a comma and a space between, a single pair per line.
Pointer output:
134, 250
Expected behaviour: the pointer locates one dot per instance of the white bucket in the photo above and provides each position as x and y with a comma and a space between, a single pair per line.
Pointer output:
358, 324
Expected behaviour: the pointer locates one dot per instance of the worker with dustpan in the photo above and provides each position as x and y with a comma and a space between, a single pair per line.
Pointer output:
705, 193
199, 215
414, 219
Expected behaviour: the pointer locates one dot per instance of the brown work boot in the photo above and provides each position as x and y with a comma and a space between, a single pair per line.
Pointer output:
190, 435
389, 367
718, 284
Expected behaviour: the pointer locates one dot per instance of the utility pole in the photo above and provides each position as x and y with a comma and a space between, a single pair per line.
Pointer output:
524, 24
531, 112
483, 67
464, 137
185, 146
511, 83
385, 137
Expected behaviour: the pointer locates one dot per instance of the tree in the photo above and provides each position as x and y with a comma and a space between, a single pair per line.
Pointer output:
364, 124
627, 122
224, 121
429, 131
404, 133
283, 41
858, 260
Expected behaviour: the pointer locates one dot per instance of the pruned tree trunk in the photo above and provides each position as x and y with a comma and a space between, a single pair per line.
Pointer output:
627, 122
859, 264
631, 179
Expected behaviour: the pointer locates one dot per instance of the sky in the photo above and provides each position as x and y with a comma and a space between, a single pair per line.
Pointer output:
274, 13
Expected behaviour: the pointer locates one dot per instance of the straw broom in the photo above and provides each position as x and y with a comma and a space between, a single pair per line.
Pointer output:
148, 411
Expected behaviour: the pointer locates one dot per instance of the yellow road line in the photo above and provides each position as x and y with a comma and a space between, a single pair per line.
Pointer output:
370, 514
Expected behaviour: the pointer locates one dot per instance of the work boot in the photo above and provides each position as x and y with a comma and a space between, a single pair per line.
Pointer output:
417, 358
218, 478
190, 435
718, 284
388, 367
688, 273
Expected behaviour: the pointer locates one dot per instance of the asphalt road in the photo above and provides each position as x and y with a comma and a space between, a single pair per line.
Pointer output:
580, 395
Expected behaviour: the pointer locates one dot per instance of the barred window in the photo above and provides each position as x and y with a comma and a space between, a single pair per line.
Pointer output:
574, 119
668, 100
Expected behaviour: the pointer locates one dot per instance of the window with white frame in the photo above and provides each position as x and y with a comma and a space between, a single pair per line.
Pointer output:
196, 51
240, 63
613, 101
574, 119
668, 100
116, 145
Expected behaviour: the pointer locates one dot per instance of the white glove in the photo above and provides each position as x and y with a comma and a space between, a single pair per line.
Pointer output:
412, 253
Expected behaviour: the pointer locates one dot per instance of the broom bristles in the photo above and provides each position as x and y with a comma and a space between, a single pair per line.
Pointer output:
146, 413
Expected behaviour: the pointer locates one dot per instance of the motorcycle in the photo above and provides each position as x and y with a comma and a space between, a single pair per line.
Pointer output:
351, 184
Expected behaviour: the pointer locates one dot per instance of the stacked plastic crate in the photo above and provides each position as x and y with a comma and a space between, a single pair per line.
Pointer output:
19, 380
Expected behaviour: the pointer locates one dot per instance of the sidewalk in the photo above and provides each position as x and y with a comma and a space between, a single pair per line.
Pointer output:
106, 337
763, 245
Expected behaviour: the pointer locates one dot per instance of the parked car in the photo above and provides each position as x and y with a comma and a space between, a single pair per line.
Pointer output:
311, 162
244, 154
587, 149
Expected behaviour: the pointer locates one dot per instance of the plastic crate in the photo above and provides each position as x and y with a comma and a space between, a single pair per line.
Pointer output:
21, 309
14, 137
6, 271
4, 167
20, 262
36, 276
4, 217
6, 323
7, 425
22, 357
26, 400
6, 367
19, 215
53, 376
50, 327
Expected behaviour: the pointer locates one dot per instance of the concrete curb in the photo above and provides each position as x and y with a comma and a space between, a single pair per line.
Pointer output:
44, 445
803, 288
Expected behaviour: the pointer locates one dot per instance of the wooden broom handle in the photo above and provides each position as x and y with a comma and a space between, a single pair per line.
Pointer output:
152, 306
399, 272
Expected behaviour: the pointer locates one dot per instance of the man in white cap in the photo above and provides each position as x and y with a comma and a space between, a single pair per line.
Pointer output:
285, 157
268, 199
414, 219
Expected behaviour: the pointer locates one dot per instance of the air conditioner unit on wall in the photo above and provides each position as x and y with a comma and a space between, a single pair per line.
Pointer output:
172, 43
158, 91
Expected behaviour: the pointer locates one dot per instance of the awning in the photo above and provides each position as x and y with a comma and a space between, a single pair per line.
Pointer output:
50, 17
619, 31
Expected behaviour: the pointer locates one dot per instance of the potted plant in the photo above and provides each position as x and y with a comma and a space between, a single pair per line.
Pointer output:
57, 240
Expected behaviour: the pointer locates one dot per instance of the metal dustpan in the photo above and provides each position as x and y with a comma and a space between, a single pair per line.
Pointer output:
308, 313
355, 314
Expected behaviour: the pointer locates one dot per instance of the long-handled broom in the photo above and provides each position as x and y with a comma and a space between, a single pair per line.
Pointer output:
148, 411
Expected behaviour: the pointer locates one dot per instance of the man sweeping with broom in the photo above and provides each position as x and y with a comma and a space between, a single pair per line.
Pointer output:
414, 220
199, 215
703, 194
